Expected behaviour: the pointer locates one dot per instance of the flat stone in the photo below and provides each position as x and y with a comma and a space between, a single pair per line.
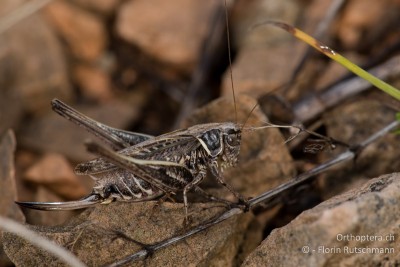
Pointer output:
91, 236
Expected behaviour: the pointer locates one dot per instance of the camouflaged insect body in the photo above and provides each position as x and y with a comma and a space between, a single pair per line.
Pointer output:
214, 146
139, 167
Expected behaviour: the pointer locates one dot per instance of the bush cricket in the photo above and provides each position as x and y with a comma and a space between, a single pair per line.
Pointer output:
141, 167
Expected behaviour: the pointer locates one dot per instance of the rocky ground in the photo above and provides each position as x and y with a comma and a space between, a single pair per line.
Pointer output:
155, 66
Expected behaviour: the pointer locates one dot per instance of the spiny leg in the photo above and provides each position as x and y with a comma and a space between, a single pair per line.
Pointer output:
227, 203
199, 177
242, 200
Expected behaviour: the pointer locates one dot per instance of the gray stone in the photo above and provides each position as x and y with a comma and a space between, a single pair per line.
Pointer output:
327, 235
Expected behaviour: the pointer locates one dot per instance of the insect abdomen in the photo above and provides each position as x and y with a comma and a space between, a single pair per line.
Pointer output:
124, 185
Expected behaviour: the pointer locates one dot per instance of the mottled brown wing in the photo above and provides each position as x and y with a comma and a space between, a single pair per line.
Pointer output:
162, 149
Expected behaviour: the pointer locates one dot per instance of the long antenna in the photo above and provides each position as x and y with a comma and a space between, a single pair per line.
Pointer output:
248, 116
230, 59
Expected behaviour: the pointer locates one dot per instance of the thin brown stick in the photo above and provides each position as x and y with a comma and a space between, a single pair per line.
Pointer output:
312, 106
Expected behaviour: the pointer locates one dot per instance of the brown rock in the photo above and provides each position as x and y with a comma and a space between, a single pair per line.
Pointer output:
260, 70
32, 67
23, 160
8, 190
247, 14
83, 31
104, 7
94, 82
266, 54
55, 172
91, 236
264, 160
171, 33
364, 21
328, 234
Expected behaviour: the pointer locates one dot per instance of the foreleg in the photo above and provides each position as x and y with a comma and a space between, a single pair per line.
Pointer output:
215, 171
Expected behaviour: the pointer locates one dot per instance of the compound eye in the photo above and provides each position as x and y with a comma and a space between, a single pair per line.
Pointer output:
232, 140
231, 132
229, 140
